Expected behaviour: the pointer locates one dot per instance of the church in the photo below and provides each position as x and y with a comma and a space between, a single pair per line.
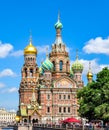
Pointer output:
47, 93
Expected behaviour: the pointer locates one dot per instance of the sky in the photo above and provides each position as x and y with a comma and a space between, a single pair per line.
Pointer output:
85, 27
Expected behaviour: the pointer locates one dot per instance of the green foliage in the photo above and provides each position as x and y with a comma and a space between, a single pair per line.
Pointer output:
94, 98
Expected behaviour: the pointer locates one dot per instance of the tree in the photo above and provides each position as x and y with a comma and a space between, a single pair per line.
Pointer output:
94, 98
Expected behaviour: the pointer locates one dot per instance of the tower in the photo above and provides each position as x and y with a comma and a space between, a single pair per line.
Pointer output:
59, 56
28, 99
77, 69
89, 74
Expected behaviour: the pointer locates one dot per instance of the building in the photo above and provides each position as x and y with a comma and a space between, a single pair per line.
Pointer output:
47, 94
7, 117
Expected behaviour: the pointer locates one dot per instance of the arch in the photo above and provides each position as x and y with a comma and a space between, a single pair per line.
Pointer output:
67, 66
54, 66
61, 65
31, 72
25, 71
35, 121
25, 120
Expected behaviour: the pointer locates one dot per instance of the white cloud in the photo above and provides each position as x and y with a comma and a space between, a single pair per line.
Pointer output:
95, 67
17, 53
11, 90
97, 45
42, 49
5, 49
7, 72
2, 85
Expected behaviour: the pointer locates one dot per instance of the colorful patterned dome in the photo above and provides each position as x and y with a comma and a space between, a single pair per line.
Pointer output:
77, 66
58, 25
47, 65
30, 49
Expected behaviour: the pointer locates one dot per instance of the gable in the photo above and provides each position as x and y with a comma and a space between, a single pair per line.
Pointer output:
64, 83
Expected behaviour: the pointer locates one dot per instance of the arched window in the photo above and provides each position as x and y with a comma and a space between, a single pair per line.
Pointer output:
61, 65
48, 109
25, 72
60, 109
54, 68
67, 66
31, 72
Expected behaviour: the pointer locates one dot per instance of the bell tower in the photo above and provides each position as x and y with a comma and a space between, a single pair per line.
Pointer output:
59, 56
30, 75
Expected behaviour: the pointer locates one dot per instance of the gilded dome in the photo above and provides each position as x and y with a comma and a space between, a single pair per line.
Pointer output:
89, 75
47, 65
30, 49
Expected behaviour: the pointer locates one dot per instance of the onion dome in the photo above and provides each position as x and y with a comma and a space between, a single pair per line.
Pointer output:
77, 66
89, 74
58, 25
47, 65
30, 49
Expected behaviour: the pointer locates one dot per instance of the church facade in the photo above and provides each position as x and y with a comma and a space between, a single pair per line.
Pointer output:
47, 94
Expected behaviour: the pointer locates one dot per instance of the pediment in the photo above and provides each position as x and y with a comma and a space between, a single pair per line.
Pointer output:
64, 82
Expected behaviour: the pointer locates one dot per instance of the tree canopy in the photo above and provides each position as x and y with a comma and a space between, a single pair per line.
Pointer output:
94, 98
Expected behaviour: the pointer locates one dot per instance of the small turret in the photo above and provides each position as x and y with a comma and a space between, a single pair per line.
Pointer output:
89, 74
77, 68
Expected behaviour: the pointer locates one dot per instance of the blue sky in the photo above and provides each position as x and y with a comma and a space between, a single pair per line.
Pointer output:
85, 27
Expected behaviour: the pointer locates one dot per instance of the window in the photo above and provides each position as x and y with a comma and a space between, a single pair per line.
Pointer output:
68, 96
64, 96
67, 66
59, 96
31, 72
64, 109
54, 66
61, 65
48, 109
68, 109
48, 96
25, 72
60, 109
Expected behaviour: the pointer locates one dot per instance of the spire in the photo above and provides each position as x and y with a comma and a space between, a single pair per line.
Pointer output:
30, 37
58, 27
58, 16
89, 74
